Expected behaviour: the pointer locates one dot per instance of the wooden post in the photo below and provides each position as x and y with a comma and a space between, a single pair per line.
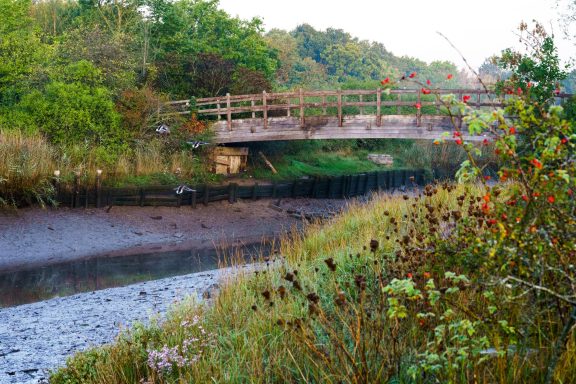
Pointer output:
264, 110
179, 200
301, 96
253, 103
193, 199
419, 111
76, 197
478, 99
340, 108
228, 112
141, 193
294, 187
315, 182
343, 186
218, 108
378, 182
378, 107
255, 191
398, 107
98, 188
231, 193
274, 189
206, 194
330, 186
361, 106
324, 105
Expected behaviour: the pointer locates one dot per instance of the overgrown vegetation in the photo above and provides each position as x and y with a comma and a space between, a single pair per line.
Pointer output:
453, 283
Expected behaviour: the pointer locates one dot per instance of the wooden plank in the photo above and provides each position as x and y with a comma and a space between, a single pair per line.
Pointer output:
339, 108
228, 112
264, 110
301, 98
419, 110
378, 107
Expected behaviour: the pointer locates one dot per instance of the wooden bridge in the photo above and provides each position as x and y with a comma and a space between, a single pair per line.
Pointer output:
342, 114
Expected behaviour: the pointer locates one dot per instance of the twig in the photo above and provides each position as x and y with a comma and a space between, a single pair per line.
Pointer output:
566, 299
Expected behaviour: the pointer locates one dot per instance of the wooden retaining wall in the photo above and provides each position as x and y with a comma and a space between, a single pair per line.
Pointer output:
78, 195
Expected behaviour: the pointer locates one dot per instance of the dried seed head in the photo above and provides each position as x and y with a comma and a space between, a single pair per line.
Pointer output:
331, 264
266, 294
374, 245
313, 297
289, 277
282, 291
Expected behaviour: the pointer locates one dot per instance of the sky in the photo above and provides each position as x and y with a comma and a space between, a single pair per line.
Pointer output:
479, 29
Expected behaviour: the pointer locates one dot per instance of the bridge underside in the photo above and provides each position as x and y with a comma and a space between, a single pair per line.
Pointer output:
327, 127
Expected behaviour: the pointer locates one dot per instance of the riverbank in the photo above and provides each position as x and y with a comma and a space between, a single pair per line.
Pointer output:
34, 237
40, 336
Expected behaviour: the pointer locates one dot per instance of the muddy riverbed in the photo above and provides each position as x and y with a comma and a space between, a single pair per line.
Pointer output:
32, 336
33, 237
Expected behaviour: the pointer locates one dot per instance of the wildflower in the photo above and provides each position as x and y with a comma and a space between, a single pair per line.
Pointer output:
459, 141
449, 77
529, 85
409, 275
512, 130
519, 91
427, 275
425, 91
551, 199
385, 81
564, 140
436, 142
486, 197
428, 82
412, 75
485, 142
466, 98
487, 177
418, 106
456, 134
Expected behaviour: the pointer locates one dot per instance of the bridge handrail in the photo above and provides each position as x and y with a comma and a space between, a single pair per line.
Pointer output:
283, 101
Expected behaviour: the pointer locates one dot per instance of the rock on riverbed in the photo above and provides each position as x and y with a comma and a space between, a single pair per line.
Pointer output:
40, 336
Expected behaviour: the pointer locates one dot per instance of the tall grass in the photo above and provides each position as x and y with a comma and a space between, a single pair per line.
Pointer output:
26, 167
28, 163
323, 315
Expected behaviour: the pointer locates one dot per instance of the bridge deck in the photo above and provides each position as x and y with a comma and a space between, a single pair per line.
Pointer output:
341, 114
327, 127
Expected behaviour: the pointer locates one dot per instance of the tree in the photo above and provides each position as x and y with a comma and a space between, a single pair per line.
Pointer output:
538, 72
21, 51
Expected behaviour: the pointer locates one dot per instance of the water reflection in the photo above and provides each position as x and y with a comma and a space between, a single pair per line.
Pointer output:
36, 284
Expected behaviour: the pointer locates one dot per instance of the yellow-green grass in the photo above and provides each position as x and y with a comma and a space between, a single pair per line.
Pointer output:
251, 342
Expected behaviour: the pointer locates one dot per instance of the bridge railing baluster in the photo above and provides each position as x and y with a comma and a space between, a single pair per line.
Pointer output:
340, 108
264, 109
228, 112
378, 107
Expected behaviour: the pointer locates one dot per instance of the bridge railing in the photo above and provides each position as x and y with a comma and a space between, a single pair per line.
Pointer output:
339, 103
